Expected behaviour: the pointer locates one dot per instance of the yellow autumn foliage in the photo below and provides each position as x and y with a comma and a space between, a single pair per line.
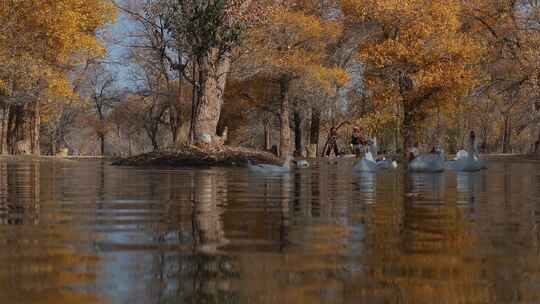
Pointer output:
41, 40
293, 41
424, 40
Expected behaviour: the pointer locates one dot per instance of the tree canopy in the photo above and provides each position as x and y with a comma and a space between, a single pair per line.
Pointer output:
407, 71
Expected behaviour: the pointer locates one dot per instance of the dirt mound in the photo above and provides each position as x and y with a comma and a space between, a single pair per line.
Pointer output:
190, 156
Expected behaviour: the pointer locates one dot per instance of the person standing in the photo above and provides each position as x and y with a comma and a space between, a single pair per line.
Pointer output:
332, 143
472, 143
358, 141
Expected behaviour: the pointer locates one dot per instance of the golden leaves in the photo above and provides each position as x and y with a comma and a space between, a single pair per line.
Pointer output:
424, 39
294, 42
327, 77
40, 40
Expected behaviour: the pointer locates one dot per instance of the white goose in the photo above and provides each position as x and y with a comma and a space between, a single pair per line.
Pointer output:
366, 164
428, 163
369, 164
387, 164
466, 162
269, 169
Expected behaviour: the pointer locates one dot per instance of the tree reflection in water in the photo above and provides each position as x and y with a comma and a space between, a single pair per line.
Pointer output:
86, 232
37, 262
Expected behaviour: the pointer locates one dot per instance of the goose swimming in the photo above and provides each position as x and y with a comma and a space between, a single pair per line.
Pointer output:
369, 164
428, 162
366, 164
466, 162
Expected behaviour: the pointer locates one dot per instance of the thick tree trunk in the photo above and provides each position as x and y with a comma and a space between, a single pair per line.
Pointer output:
12, 128
298, 149
412, 115
314, 131
19, 129
212, 79
285, 129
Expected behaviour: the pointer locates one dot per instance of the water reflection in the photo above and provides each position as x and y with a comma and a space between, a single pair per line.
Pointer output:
432, 185
468, 185
367, 186
85, 232
38, 262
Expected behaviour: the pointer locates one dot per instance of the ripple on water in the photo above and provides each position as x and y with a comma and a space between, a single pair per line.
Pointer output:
86, 232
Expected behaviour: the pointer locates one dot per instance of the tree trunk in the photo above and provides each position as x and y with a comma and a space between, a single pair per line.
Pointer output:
53, 143
175, 113
194, 103
285, 130
101, 137
35, 129
212, 80
173, 124
506, 134
11, 130
412, 115
297, 134
16, 129
152, 132
397, 129
129, 144
407, 128
3, 134
267, 139
155, 145
314, 131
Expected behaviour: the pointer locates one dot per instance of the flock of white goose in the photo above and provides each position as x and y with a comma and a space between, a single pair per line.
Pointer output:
425, 162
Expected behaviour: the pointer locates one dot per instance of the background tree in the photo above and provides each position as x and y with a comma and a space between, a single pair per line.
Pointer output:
420, 56
508, 30
291, 45
102, 95
40, 42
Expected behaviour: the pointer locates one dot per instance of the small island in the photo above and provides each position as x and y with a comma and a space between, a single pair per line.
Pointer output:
191, 156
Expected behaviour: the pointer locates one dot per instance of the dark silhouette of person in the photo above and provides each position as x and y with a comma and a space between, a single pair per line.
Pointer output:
332, 143
472, 142
357, 141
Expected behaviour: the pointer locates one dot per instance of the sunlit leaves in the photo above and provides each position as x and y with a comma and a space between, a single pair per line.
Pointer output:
424, 40
293, 41
40, 40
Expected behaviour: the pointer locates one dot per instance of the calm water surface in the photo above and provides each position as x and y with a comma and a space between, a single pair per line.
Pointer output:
86, 232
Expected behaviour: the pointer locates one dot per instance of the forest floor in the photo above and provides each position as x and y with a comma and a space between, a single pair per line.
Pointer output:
191, 156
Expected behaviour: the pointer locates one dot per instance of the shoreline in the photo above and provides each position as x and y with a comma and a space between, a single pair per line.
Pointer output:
222, 157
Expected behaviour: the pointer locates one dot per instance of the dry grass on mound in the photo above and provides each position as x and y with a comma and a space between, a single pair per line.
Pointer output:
192, 156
